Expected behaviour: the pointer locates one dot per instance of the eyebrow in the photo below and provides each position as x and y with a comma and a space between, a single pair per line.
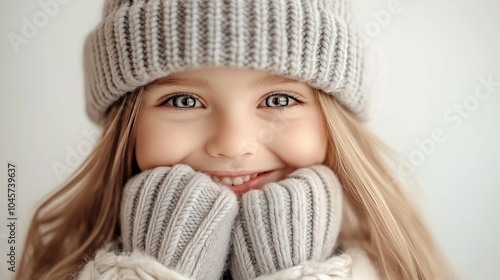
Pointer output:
272, 80
200, 83
169, 80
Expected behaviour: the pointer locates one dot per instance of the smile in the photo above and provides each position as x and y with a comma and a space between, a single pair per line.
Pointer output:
241, 183
235, 181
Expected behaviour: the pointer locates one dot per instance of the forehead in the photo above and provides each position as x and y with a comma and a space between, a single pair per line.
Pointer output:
205, 77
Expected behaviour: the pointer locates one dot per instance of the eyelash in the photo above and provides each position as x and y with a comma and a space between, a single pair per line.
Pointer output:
164, 103
295, 97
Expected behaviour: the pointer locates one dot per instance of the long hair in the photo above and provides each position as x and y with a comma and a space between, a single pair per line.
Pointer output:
81, 216
378, 215
72, 224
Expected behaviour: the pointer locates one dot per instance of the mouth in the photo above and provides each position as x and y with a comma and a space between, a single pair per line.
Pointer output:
242, 184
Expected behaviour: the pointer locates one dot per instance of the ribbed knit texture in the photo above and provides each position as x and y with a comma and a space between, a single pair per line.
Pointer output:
286, 223
181, 218
111, 264
139, 41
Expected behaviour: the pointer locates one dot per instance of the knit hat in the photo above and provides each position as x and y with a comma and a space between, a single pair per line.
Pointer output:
139, 41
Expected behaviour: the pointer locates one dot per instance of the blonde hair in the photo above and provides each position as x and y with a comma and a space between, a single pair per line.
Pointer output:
378, 215
66, 230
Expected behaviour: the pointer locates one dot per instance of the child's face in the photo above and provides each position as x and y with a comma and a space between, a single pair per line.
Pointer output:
231, 122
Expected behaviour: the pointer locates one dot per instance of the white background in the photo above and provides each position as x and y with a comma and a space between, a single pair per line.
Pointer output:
428, 57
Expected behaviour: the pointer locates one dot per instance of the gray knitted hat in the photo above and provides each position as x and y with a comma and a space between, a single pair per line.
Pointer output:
139, 41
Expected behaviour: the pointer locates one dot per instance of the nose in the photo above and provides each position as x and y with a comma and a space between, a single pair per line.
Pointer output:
232, 137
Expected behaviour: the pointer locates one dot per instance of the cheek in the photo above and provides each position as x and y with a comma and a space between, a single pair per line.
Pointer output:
301, 143
162, 144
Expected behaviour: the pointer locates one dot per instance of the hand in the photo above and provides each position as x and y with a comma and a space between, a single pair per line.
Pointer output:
180, 217
286, 223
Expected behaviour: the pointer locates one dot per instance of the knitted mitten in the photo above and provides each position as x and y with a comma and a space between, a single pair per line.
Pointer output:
286, 223
180, 217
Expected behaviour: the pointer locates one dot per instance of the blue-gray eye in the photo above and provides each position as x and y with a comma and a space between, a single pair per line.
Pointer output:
183, 101
279, 100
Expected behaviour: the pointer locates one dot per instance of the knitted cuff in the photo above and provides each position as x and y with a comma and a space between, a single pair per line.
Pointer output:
286, 223
181, 217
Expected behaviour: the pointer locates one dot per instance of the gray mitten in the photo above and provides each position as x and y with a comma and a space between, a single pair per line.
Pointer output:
180, 217
286, 223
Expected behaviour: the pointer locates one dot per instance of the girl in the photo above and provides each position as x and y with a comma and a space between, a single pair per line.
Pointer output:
232, 147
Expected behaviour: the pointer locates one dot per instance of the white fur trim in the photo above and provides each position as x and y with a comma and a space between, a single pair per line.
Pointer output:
109, 265
361, 267
353, 264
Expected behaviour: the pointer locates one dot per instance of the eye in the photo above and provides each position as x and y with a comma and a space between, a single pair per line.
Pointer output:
182, 101
280, 99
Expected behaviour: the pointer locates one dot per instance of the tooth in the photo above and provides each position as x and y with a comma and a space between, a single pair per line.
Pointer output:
237, 181
227, 181
247, 178
254, 175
